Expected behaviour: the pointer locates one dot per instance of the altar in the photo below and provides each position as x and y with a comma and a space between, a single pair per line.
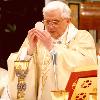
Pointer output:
82, 85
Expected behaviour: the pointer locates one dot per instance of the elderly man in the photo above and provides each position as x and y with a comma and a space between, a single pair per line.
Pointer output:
52, 53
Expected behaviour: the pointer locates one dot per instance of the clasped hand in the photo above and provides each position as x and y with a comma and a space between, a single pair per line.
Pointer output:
34, 35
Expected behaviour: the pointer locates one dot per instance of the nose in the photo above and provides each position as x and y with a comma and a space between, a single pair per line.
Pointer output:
50, 23
51, 26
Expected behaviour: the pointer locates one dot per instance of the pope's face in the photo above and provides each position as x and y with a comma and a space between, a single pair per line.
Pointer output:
54, 23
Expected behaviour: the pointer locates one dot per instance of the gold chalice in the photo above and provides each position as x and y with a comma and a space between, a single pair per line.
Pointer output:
59, 95
21, 70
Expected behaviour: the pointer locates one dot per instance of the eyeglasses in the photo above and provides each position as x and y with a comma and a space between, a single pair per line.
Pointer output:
52, 22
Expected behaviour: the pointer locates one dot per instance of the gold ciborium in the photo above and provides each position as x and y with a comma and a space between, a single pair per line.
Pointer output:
59, 95
21, 70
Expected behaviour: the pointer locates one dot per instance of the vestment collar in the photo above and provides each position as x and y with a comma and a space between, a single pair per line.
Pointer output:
68, 35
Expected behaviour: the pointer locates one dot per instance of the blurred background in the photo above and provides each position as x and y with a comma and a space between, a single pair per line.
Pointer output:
18, 16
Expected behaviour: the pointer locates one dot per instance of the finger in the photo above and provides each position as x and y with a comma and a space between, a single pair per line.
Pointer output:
30, 33
39, 34
44, 33
31, 39
47, 34
39, 31
31, 30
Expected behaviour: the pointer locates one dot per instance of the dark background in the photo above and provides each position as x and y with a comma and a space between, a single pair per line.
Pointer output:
20, 13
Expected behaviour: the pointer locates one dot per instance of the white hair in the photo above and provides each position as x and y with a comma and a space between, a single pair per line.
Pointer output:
54, 5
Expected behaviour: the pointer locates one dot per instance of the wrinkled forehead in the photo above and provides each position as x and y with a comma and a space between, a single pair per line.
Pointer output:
53, 13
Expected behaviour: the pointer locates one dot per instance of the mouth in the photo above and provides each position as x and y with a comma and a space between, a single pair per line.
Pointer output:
52, 31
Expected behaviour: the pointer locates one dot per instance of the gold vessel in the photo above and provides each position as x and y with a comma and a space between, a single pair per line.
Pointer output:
21, 70
59, 95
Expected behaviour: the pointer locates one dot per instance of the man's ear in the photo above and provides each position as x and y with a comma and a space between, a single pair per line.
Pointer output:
68, 20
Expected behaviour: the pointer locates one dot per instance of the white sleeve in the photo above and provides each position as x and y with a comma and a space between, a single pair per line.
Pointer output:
5, 94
